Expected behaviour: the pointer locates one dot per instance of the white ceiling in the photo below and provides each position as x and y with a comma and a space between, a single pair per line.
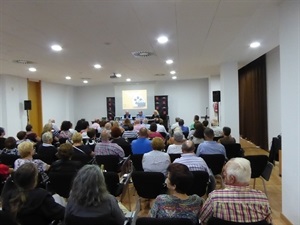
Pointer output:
203, 34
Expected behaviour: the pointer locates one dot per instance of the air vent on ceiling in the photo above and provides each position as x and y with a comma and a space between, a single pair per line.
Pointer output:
23, 61
141, 54
159, 74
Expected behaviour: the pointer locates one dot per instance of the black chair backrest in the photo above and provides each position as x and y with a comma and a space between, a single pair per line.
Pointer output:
113, 184
217, 138
174, 156
130, 139
110, 162
8, 159
215, 162
137, 161
196, 147
6, 219
200, 183
61, 182
163, 221
258, 164
233, 150
76, 220
62, 140
163, 134
149, 184
217, 221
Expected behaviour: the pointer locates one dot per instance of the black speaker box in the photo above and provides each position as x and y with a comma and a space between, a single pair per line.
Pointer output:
27, 104
216, 96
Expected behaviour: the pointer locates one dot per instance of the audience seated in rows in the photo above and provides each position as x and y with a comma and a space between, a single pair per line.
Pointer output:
177, 141
227, 138
105, 147
28, 205
142, 144
90, 200
156, 160
177, 204
209, 146
237, 202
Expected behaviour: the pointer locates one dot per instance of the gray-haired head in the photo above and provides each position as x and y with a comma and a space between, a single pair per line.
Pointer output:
240, 168
47, 137
89, 188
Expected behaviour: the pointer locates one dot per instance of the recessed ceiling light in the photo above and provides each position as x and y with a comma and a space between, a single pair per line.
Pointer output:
173, 72
174, 77
85, 81
68, 78
162, 40
97, 66
32, 69
169, 61
128, 79
56, 48
254, 44
118, 75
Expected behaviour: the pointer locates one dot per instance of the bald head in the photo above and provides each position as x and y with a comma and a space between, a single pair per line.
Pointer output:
188, 147
143, 132
105, 135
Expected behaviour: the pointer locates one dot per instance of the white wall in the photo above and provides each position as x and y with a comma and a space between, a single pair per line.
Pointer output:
58, 102
214, 85
13, 93
290, 108
273, 93
185, 99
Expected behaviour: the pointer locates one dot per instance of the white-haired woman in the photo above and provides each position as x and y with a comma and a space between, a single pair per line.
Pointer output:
90, 201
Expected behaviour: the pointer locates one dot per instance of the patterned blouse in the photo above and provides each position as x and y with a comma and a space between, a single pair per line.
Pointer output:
169, 206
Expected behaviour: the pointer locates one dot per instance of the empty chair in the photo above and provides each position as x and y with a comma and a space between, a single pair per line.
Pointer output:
137, 162
110, 162
174, 156
215, 162
113, 184
199, 187
163, 221
258, 166
148, 184
233, 150
217, 221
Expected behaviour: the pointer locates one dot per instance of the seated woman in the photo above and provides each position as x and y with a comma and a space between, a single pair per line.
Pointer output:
153, 131
116, 138
65, 130
178, 204
178, 140
82, 152
10, 145
46, 151
90, 202
28, 205
155, 115
156, 160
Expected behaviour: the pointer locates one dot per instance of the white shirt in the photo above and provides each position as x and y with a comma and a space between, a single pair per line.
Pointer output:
156, 161
174, 149
161, 128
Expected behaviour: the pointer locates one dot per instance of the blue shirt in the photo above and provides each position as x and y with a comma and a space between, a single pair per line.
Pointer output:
141, 146
210, 148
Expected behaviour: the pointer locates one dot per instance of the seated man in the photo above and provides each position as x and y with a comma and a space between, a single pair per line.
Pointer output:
226, 139
215, 127
140, 116
105, 147
126, 116
237, 202
209, 146
142, 144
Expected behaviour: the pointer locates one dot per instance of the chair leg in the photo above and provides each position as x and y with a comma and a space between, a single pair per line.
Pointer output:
265, 189
254, 183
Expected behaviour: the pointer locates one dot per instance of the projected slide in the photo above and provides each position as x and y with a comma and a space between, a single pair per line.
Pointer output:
134, 99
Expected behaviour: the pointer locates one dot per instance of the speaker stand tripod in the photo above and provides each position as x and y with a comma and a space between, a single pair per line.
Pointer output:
27, 116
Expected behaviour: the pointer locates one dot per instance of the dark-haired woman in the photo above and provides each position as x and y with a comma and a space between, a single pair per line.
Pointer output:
178, 204
28, 205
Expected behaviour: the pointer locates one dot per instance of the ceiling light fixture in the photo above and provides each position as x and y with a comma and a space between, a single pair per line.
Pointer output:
85, 81
68, 78
97, 66
141, 54
173, 72
128, 79
32, 69
162, 39
174, 77
118, 75
254, 44
169, 61
56, 48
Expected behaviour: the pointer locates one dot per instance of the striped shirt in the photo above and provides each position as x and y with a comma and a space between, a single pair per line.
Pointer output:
108, 148
193, 162
237, 204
